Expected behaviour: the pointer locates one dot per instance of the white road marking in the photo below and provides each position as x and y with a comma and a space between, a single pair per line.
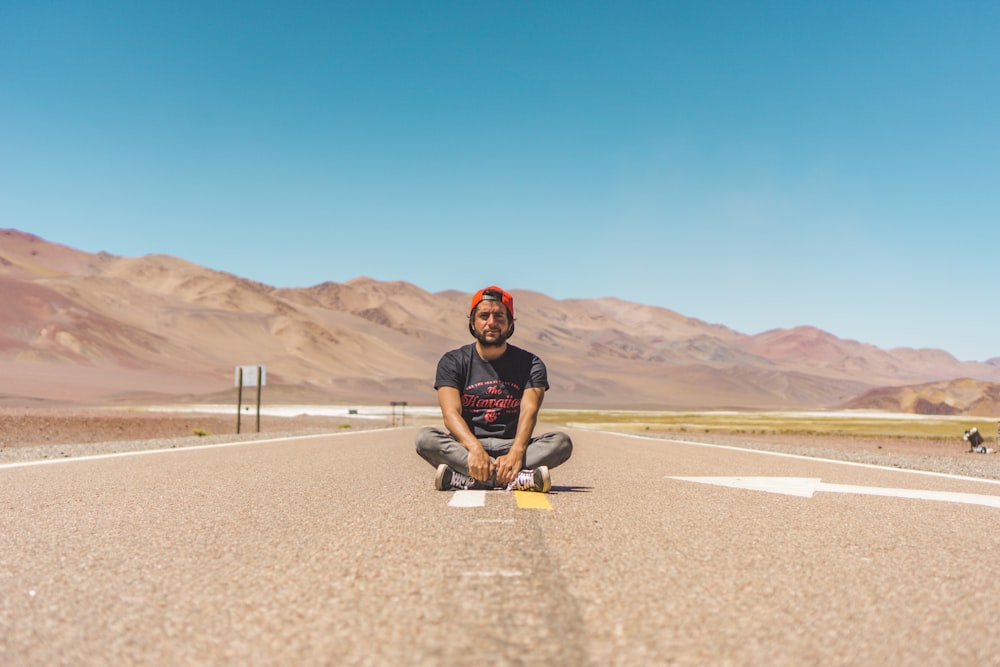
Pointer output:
506, 574
805, 487
468, 498
801, 457
192, 448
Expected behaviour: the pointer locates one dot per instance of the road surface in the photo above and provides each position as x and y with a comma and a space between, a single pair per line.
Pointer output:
336, 550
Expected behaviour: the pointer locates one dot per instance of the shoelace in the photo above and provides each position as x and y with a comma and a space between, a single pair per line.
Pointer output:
460, 481
525, 480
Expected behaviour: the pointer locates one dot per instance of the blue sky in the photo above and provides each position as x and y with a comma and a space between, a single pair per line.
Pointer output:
759, 165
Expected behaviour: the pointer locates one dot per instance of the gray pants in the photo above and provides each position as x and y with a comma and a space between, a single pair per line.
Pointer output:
437, 446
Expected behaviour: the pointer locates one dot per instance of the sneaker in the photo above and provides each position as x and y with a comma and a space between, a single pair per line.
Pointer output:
532, 480
447, 479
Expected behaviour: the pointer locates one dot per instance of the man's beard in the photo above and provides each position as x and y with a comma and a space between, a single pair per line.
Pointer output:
499, 342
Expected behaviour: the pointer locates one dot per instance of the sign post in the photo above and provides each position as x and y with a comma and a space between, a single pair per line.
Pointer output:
250, 376
402, 406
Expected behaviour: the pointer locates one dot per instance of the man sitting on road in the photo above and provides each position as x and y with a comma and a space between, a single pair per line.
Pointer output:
490, 393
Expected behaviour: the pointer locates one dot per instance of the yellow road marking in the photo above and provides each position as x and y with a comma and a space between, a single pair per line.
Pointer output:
531, 500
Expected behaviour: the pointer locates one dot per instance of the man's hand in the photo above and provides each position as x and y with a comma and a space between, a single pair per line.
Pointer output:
481, 466
507, 467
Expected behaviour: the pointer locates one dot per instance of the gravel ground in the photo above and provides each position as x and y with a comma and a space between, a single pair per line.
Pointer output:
934, 455
28, 434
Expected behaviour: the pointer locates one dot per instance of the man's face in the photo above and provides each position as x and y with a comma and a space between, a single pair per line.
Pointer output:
491, 324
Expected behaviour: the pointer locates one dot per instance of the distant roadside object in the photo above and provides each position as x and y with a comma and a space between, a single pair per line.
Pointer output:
975, 440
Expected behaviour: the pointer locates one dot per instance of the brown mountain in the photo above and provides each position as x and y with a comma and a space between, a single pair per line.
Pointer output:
88, 327
963, 396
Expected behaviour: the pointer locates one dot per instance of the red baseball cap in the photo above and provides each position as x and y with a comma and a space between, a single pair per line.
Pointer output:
493, 293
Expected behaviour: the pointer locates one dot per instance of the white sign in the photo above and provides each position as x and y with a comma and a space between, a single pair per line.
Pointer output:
805, 487
250, 376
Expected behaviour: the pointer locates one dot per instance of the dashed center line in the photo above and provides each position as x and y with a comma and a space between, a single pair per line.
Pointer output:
505, 574
529, 500
468, 498
526, 500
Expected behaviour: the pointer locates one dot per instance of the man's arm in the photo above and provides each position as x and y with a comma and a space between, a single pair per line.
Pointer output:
510, 463
480, 464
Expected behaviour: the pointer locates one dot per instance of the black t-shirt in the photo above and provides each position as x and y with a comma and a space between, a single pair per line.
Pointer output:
491, 390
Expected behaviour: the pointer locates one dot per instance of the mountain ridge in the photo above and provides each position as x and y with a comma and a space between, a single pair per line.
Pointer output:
83, 326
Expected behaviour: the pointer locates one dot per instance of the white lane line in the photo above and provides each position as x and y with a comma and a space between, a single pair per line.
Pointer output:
806, 487
505, 574
175, 450
468, 498
916, 494
800, 457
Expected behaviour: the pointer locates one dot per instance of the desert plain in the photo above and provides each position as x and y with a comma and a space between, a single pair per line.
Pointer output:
901, 441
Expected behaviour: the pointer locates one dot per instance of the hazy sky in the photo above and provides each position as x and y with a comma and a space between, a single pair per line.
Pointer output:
754, 164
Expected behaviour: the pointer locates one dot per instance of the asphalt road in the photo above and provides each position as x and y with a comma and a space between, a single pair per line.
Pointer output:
336, 550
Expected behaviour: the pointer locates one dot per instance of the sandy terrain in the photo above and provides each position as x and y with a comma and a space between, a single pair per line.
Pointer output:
40, 433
